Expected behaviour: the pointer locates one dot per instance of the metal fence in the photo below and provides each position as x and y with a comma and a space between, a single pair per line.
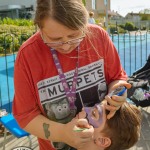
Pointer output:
133, 49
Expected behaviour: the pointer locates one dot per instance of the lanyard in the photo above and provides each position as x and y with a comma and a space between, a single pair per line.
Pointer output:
70, 93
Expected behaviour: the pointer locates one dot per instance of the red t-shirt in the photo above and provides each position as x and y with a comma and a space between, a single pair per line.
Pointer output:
38, 89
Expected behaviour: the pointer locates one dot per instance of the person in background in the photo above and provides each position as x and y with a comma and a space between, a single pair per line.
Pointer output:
91, 19
65, 60
120, 132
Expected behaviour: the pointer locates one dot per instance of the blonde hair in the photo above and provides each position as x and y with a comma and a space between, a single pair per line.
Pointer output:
70, 13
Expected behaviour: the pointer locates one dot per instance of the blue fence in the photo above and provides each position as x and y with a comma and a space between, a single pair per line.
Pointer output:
133, 49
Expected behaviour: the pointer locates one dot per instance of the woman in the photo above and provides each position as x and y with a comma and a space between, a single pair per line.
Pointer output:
66, 60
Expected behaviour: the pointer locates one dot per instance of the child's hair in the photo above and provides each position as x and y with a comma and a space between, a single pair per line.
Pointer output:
70, 13
124, 127
91, 14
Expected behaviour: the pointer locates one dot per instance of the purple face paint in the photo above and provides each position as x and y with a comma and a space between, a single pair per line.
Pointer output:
89, 115
147, 95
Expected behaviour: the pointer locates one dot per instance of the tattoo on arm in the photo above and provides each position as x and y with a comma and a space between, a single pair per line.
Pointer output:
46, 131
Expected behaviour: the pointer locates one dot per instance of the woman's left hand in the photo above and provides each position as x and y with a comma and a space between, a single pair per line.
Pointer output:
116, 101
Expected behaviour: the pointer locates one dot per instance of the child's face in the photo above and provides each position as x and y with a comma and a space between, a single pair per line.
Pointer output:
96, 116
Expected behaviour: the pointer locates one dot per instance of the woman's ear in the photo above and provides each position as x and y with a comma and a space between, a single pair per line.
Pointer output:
102, 142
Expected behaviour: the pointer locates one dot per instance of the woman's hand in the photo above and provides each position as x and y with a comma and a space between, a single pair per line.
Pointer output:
77, 139
116, 101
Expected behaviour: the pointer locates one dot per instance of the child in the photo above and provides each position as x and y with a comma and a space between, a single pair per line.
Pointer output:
118, 133
91, 19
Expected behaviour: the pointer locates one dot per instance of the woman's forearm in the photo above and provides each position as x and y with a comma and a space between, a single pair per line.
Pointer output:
43, 128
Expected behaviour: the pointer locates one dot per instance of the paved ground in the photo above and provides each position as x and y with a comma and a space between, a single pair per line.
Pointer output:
144, 141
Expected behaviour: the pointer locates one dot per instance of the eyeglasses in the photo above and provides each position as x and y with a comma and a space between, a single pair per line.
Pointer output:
70, 42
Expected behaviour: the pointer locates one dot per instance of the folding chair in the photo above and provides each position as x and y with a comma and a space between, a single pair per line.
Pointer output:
12, 126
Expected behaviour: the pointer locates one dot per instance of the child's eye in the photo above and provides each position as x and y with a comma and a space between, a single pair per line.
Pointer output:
95, 114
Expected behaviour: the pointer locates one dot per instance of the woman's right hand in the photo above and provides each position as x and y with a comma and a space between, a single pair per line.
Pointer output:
77, 139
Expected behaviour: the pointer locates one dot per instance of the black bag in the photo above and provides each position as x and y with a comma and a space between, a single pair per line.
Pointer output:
140, 90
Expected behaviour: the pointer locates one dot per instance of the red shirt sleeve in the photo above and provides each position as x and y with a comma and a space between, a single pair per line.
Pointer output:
25, 103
